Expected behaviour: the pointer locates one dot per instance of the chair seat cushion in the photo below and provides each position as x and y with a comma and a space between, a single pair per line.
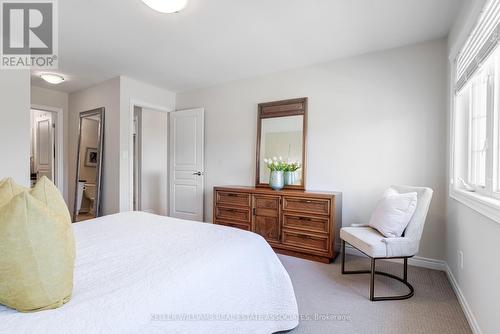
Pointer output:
366, 239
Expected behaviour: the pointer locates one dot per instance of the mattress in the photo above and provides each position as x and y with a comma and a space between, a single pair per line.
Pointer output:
141, 273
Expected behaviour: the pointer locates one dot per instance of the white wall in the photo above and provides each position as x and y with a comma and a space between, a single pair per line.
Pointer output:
107, 95
154, 162
468, 231
15, 125
51, 98
374, 120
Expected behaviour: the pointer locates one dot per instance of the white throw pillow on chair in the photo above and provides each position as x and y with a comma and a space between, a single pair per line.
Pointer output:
393, 213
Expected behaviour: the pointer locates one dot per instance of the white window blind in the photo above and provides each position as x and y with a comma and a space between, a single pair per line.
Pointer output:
481, 43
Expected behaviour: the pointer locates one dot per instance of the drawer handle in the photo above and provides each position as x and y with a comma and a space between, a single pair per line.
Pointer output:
305, 219
230, 210
305, 237
309, 201
232, 195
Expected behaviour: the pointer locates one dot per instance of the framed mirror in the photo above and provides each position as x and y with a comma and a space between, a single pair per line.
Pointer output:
89, 165
282, 132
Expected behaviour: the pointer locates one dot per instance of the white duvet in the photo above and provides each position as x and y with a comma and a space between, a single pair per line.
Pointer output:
141, 273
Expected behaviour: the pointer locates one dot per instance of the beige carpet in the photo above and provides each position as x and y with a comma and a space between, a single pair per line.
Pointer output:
342, 301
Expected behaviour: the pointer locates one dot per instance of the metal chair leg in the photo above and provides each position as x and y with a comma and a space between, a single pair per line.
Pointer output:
374, 272
372, 280
405, 270
343, 257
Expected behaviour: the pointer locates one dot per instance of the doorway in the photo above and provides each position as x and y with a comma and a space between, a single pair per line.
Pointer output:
167, 161
43, 146
150, 161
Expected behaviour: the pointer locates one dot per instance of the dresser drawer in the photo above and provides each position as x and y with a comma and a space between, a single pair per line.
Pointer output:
312, 224
309, 205
231, 214
305, 241
232, 198
241, 226
294, 222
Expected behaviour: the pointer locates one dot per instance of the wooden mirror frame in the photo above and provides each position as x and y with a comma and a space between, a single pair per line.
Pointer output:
293, 107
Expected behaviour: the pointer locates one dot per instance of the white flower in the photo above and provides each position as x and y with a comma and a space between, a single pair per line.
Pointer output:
274, 158
265, 160
281, 158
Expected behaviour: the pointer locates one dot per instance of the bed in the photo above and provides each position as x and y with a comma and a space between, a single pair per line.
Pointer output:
140, 273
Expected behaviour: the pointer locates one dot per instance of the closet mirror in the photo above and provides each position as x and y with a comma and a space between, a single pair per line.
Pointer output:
89, 165
281, 132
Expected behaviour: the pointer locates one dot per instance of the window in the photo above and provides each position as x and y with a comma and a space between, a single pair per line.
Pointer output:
478, 139
475, 113
475, 144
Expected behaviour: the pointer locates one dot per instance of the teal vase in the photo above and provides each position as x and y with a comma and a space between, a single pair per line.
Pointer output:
277, 180
289, 178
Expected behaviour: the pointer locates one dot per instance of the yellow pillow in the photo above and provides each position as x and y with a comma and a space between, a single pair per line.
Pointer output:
8, 189
37, 250
47, 192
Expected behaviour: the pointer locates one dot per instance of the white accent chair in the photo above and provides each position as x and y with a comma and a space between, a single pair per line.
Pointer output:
373, 244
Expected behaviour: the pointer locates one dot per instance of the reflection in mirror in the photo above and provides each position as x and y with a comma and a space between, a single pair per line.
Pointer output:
281, 137
89, 165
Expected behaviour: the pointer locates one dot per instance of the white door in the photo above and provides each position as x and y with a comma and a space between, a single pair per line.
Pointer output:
186, 164
44, 151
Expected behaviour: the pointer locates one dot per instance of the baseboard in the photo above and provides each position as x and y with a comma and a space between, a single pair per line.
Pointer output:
440, 265
416, 261
471, 319
424, 262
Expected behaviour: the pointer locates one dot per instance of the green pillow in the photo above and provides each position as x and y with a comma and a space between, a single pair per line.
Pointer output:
37, 248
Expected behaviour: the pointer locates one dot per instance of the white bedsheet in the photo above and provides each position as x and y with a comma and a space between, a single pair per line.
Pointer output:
136, 272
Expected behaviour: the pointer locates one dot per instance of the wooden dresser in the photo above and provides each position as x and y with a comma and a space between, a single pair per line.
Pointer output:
294, 222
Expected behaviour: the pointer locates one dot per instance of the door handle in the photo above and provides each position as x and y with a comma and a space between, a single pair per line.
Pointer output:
198, 173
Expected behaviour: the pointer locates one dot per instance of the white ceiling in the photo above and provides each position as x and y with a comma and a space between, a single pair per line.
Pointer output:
214, 41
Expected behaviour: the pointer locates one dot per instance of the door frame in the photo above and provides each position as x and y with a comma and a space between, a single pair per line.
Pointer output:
137, 170
141, 104
59, 143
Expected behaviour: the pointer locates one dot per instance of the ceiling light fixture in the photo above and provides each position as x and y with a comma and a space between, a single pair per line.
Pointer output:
166, 6
54, 79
